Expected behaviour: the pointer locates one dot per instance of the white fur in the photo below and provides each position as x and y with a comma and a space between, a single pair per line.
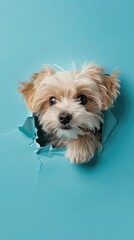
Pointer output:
82, 139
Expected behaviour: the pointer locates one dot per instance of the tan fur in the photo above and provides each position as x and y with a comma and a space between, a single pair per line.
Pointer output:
111, 90
101, 90
82, 149
28, 89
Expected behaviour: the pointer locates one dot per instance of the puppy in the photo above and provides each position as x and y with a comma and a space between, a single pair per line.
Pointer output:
69, 106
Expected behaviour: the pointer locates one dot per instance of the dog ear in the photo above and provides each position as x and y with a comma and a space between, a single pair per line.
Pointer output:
29, 89
107, 86
109, 89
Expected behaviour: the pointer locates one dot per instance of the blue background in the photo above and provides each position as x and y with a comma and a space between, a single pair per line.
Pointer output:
65, 201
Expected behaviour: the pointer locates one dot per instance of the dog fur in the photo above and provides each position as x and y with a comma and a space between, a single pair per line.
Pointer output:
81, 134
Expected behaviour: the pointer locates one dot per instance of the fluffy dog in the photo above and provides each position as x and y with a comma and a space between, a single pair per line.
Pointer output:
69, 106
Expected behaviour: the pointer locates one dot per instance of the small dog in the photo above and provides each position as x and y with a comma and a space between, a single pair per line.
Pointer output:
69, 106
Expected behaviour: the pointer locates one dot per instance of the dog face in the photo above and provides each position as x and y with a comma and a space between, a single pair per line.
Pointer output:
70, 103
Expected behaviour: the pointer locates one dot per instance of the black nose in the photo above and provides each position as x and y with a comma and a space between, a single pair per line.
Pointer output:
65, 118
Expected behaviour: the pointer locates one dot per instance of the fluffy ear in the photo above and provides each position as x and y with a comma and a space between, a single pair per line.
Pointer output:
107, 86
29, 89
109, 89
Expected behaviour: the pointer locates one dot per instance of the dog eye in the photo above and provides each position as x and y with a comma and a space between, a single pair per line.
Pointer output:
52, 101
82, 99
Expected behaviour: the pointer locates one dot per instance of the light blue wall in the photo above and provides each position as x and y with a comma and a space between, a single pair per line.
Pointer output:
65, 201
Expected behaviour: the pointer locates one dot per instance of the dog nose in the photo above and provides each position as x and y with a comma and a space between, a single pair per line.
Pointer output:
65, 117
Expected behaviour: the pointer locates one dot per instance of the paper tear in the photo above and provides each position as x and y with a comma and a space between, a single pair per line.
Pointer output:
38, 171
29, 129
110, 123
8, 133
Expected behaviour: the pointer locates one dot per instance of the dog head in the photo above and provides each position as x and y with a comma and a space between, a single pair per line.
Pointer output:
70, 103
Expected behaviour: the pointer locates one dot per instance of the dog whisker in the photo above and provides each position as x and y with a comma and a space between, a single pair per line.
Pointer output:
52, 96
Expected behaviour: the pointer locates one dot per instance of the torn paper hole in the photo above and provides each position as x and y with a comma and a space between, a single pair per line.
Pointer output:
41, 138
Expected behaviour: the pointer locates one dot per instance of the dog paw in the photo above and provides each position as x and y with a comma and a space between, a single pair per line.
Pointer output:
82, 149
77, 156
